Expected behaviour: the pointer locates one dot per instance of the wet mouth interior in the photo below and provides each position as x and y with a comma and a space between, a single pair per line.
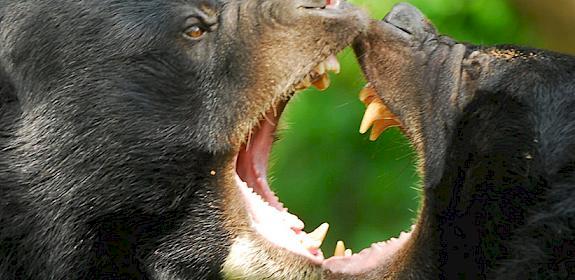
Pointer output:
268, 215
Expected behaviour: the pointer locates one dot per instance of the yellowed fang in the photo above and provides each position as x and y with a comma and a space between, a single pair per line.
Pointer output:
339, 249
322, 82
375, 111
377, 116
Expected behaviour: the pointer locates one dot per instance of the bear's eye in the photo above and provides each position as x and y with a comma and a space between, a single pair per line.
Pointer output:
195, 32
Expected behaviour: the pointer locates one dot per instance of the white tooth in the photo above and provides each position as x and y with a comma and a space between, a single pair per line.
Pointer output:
339, 249
320, 68
293, 220
348, 253
319, 233
310, 244
332, 64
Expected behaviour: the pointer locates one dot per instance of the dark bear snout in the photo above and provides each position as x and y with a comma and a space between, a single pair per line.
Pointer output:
409, 19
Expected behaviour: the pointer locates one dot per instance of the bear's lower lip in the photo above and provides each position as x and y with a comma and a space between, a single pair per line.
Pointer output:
267, 214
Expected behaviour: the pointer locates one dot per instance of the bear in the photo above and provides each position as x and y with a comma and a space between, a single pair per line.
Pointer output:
134, 135
494, 129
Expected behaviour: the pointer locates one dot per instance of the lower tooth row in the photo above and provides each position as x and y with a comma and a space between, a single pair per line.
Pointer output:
341, 251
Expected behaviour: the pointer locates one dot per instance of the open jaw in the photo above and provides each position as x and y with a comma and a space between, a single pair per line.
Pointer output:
268, 216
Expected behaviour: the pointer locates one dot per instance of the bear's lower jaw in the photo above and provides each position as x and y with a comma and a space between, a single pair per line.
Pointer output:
367, 259
285, 232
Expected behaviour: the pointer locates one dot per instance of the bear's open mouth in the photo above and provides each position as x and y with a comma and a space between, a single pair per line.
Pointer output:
267, 214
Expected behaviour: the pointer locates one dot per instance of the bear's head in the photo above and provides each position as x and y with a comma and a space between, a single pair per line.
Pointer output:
131, 129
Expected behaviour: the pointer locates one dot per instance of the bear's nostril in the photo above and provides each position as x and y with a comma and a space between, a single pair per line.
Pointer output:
313, 4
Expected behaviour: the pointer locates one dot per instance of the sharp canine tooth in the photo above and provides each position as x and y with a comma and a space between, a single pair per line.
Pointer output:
319, 233
375, 110
310, 244
377, 129
348, 253
376, 114
322, 83
339, 249
380, 126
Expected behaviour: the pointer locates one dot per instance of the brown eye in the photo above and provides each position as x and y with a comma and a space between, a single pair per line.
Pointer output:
195, 32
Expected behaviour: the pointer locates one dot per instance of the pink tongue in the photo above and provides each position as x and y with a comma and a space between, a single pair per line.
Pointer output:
253, 157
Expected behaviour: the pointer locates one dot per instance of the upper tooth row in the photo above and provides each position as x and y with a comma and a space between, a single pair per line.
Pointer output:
330, 64
318, 76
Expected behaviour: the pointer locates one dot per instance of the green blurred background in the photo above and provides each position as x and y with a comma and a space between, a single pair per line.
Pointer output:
325, 171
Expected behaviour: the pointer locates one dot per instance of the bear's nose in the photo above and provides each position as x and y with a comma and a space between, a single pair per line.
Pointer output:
409, 19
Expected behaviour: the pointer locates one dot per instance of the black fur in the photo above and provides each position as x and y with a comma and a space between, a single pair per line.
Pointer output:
510, 182
80, 196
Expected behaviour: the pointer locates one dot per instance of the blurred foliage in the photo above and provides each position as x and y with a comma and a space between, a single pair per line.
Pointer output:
325, 171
